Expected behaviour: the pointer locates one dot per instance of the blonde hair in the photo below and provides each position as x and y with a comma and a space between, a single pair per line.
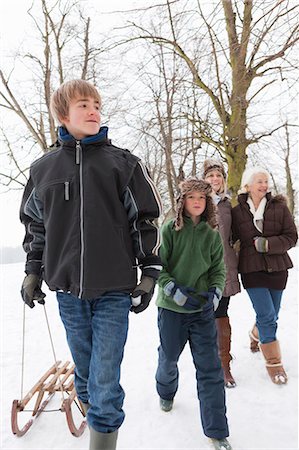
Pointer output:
211, 165
68, 91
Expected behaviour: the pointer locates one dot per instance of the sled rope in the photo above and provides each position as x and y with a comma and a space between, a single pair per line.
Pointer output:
53, 351
58, 378
23, 353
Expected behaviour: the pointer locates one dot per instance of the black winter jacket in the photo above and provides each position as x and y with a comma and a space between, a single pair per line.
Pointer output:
88, 209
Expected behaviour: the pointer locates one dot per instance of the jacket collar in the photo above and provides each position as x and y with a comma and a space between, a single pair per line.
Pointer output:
242, 198
188, 221
64, 137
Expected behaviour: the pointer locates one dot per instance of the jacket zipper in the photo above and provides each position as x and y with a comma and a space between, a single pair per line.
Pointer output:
80, 163
66, 190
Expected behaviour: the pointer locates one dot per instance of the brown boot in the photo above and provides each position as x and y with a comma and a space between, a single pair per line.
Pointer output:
272, 355
254, 339
224, 340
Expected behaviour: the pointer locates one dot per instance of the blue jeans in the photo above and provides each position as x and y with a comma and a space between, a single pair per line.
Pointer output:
199, 329
266, 303
96, 332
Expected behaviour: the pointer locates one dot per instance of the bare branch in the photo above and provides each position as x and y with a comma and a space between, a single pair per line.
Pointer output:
263, 35
86, 50
259, 137
260, 90
290, 42
16, 107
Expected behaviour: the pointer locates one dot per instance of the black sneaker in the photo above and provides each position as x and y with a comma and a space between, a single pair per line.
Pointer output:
166, 405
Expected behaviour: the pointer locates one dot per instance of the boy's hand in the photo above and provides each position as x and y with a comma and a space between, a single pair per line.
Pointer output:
214, 294
182, 295
31, 290
142, 294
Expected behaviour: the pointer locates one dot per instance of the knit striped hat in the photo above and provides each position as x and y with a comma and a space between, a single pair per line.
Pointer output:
190, 185
213, 164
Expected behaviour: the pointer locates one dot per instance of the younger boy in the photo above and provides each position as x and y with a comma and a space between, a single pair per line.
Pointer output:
88, 209
190, 286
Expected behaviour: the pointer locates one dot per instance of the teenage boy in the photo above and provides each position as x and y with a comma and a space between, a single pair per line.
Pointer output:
89, 209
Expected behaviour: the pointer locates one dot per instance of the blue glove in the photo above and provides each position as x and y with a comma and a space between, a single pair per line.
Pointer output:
213, 295
182, 295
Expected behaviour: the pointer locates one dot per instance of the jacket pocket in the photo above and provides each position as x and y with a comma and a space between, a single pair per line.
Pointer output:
60, 189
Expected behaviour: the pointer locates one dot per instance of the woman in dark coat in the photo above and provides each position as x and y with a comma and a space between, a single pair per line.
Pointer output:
265, 228
214, 173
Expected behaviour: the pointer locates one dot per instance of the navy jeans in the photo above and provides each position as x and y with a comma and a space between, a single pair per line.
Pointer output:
266, 303
96, 332
199, 329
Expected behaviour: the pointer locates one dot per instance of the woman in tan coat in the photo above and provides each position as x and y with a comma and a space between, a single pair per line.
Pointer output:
214, 173
265, 228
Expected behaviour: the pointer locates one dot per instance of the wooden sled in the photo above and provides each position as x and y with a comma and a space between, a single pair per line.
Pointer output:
57, 379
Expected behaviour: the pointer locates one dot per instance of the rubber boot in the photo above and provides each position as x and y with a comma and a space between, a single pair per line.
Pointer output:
272, 355
166, 405
254, 339
102, 441
221, 444
224, 344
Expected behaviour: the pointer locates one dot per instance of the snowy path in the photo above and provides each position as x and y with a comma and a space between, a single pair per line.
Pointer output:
261, 415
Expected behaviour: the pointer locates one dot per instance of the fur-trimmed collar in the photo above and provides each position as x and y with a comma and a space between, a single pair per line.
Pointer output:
279, 198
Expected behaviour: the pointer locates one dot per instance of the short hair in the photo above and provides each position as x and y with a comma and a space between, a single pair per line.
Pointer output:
68, 91
248, 176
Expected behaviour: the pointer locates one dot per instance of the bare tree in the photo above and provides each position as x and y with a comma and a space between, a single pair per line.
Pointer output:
290, 185
63, 50
285, 146
247, 52
164, 133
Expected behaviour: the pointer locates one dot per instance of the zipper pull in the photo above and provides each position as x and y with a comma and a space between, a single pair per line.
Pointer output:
66, 190
78, 148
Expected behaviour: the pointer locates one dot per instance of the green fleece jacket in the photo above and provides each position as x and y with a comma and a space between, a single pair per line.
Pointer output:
191, 257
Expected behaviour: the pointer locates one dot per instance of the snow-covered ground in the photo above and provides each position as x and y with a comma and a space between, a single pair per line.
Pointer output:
261, 415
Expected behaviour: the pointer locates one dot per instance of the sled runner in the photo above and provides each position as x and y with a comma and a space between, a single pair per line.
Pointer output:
59, 378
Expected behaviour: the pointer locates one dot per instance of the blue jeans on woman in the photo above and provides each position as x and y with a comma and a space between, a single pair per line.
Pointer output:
96, 332
266, 303
200, 330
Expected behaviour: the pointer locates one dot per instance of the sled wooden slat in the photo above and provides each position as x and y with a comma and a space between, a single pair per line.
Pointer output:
69, 386
67, 375
38, 385
60, 371
62, 379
